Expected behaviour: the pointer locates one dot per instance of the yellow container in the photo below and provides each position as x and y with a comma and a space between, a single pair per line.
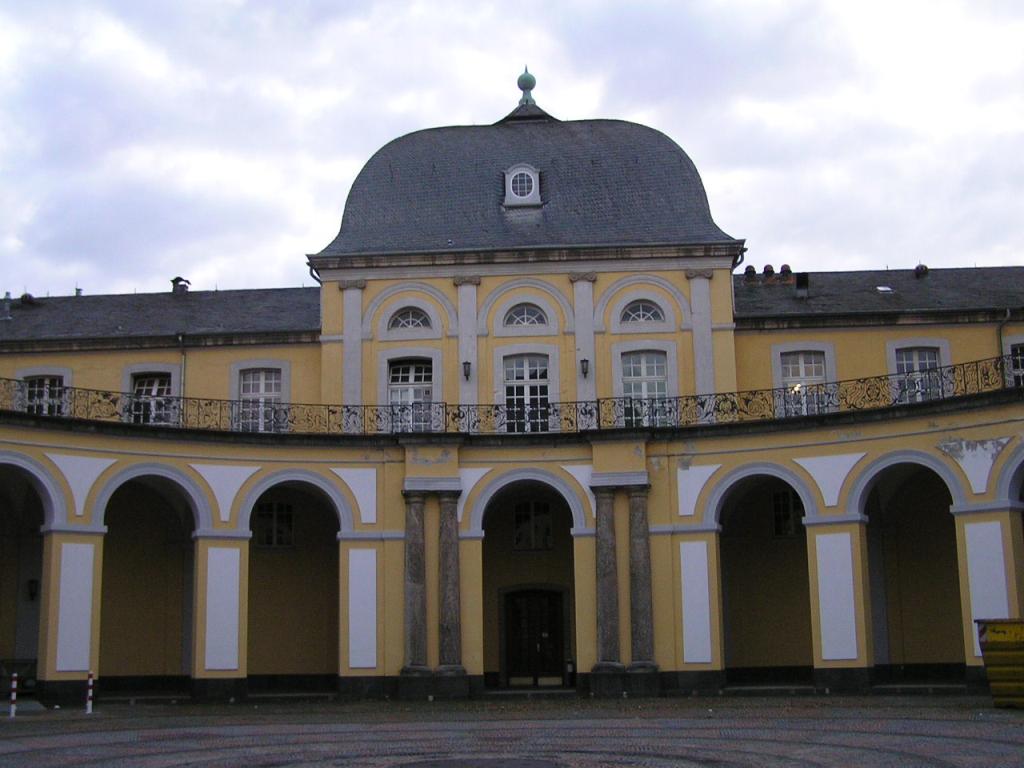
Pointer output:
1002, 648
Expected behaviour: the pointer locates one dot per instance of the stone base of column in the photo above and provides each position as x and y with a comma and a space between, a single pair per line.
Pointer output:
219, 688
642, 679
705, 683
607, 680
448, 682
843, 680
451, 682
451, 670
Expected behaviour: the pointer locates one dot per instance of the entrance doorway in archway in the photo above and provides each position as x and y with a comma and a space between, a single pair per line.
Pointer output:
534, 647
529, 634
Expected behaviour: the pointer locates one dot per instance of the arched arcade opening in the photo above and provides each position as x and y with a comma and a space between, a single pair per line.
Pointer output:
916, 616
146, 614
528, 588
765, 584
21, 565
293, 590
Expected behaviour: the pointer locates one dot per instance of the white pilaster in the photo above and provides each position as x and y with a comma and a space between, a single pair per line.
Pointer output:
468, 388
352, 335
703, 347
583, 321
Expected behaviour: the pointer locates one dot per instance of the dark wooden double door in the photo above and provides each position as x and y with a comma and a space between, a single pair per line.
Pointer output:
534, 638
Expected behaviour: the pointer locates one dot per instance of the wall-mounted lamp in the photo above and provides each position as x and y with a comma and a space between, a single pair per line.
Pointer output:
467, 368
584, 367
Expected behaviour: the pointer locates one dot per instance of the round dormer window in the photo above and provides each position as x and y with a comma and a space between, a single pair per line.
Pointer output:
522, 184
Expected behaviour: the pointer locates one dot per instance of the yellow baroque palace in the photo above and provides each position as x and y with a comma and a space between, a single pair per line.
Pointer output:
538, 426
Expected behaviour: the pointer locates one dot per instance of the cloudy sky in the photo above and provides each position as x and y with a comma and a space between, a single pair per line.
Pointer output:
217, 139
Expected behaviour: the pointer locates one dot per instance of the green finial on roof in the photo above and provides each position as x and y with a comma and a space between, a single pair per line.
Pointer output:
526, 83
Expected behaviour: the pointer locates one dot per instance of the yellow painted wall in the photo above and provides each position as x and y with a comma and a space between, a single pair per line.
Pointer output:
859, 351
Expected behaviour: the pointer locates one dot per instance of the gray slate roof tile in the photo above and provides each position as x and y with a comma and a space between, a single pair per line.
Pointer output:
603, 182
140, 315
958, 289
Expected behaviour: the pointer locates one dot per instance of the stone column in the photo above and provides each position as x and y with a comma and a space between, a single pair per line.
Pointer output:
607, 584
640, 601
415, 587
450, 622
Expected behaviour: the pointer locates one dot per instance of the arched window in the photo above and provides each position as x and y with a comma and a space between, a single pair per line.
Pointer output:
409, 317
525, 314
643, 311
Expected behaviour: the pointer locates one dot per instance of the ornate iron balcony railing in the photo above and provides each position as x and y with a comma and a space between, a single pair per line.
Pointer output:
272, 416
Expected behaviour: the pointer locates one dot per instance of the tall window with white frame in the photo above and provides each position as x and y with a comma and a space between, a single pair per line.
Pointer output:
45, 395
804, 388
259, 406
151, 401
645, 384
410, 391
919, 376
527, 407
1017, 365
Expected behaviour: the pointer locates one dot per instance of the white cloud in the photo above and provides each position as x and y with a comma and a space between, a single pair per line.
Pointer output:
139, 140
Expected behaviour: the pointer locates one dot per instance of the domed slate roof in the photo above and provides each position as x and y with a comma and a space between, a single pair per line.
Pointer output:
602, 183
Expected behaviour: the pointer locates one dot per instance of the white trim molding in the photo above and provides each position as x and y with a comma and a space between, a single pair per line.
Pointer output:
386, 333
531, 290
625, 298
403, 295
613, 290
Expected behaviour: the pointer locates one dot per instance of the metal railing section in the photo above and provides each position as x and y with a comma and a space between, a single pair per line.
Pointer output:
271, 416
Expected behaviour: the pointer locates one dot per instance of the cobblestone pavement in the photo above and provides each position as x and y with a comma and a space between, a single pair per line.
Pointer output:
826, 731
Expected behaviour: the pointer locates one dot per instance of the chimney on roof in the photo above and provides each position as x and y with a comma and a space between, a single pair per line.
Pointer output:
7, 307
803, 284
78, 291
179, 285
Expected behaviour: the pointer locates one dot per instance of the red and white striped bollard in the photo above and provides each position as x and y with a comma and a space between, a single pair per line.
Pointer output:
14, 694
88, 696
